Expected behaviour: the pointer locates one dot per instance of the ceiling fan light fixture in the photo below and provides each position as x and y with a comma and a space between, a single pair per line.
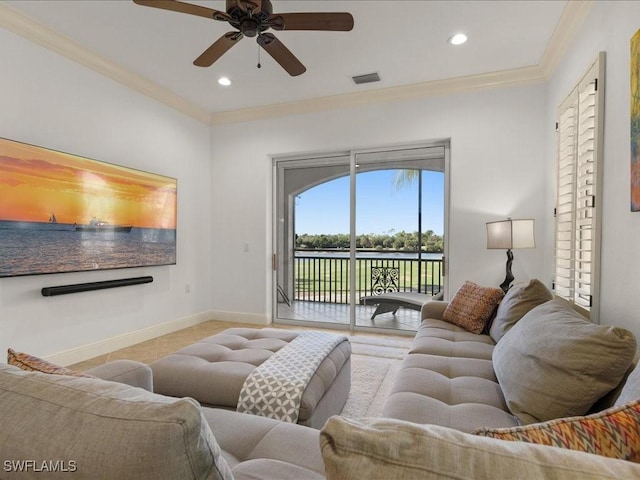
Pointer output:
224, 81
458, 39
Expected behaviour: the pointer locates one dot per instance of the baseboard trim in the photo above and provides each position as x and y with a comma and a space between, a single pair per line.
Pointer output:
240, 317
86, 352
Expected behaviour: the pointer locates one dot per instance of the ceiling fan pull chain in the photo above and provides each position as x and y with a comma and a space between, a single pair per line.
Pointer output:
259, 66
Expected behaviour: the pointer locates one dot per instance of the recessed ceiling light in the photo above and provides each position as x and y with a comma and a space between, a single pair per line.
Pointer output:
458, 39
224, 81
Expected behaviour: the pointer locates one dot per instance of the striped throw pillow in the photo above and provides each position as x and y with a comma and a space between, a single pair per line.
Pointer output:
614, 432
35, 364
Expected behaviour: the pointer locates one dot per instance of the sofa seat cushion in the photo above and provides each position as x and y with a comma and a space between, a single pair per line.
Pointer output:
383, 449
554, 363
109, 430
437, 337
460, 393
253, 445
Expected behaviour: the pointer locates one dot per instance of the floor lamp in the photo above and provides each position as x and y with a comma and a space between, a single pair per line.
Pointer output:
510, 234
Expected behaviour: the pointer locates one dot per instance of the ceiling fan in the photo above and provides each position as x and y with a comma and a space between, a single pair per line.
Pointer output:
252, 18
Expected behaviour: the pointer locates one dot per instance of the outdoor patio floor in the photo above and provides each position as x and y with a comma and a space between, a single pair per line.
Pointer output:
338, 313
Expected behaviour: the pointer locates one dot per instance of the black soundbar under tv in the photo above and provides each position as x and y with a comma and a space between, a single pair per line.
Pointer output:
86, 287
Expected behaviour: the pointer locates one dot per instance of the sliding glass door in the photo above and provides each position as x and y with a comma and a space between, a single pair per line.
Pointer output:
350, 226
312, 208
399, 230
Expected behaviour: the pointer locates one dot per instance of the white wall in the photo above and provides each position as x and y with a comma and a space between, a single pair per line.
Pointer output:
497, 170
50, 101
502, 150
609, 27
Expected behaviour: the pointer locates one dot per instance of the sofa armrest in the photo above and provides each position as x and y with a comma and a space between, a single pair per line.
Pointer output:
130, 372
433, 309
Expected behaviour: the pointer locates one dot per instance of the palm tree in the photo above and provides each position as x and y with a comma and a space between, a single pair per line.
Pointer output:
406, 177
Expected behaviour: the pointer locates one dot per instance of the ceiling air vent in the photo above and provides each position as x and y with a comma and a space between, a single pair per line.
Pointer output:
367, 78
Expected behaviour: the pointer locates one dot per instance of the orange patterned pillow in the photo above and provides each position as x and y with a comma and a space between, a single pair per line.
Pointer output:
611, 433
472, 306
35, 364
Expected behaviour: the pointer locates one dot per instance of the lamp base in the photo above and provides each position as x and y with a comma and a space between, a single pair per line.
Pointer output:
509, 277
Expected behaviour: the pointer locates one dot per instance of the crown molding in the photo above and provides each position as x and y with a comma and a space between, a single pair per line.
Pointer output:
44, 36
501, 79
572, 17
570, 21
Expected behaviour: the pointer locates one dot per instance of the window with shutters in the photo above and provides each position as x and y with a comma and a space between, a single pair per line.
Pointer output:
578, 202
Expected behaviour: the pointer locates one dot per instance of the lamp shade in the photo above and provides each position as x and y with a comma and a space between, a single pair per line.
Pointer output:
507, 234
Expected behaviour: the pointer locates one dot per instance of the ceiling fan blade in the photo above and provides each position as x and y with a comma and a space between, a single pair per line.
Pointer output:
342, 22
182, 7
219, 48
281, 54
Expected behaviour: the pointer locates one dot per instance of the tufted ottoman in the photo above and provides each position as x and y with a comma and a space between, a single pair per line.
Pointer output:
214, 369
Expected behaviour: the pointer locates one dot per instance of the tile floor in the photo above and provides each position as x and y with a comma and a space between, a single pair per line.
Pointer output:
151, 350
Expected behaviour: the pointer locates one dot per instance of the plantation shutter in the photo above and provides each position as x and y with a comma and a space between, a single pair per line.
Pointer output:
565, 201
579, 130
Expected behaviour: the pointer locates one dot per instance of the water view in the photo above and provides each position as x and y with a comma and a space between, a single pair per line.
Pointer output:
41, 247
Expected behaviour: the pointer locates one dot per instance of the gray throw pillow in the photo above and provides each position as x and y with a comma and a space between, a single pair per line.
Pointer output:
518, 300
555, 363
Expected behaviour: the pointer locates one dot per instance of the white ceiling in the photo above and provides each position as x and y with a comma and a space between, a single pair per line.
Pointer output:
404, 41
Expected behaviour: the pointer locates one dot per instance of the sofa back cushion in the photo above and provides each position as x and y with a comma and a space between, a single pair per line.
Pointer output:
519, 300
554, 363
102, 429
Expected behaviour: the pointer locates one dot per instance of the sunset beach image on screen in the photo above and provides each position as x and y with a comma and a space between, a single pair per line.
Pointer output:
64, 213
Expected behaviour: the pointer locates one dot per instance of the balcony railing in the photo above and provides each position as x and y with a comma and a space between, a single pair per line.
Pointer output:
324, 277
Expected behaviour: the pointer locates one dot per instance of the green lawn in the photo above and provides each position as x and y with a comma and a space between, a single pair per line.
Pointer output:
327, 278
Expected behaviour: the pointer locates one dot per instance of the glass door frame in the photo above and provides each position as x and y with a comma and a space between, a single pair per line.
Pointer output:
279, 255
313, 160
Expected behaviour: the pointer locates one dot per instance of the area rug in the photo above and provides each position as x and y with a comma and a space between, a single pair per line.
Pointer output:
375, 362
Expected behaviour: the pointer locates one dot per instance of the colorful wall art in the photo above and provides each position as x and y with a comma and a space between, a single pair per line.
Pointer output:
635, 122
65, 213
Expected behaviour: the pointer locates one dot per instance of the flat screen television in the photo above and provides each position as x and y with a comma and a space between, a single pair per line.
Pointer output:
65, 213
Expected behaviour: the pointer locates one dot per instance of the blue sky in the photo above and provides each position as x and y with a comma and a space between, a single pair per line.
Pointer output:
381, 207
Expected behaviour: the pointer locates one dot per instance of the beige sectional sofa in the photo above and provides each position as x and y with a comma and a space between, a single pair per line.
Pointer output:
451, 384
552, 363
